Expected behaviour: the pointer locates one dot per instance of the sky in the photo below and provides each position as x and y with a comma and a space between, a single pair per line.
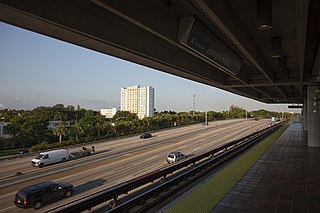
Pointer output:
37, 70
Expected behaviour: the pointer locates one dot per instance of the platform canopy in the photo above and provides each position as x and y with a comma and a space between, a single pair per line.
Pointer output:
262, 49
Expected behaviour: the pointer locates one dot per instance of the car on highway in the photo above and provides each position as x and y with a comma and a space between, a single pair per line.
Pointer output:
145, 135
23, 151
40, 194
175, 156
54, 156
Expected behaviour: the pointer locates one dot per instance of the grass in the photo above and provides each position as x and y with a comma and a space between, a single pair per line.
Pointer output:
9, 152
204, 198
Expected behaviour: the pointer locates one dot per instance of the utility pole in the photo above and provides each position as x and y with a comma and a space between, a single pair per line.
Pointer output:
194, 103
206, 119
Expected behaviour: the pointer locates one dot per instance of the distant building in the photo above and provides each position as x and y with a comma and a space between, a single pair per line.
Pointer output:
2, 129
108, 113
53, 124
139, 100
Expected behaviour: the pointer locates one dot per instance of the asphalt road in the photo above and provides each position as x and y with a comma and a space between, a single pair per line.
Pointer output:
119, 160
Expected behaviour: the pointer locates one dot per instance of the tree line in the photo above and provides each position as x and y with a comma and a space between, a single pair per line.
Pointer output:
29, 128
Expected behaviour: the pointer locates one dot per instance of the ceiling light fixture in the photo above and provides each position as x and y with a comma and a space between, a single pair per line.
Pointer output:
264, 14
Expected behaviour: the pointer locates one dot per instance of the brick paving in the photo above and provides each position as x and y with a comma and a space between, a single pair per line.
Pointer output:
285, 179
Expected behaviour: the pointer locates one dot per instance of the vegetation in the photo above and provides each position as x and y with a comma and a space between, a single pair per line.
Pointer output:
9, 152
30, 128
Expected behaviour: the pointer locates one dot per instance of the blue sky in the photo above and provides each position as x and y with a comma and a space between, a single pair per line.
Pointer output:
36, 70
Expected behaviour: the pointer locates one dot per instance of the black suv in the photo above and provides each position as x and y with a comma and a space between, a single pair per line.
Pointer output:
42, 193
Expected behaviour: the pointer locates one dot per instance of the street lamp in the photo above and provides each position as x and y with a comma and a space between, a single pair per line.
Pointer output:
194, 103
119, 118
113, 124
206, 118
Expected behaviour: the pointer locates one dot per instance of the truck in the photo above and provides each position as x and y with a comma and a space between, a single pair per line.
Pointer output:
54, 156
60, 155
83, 152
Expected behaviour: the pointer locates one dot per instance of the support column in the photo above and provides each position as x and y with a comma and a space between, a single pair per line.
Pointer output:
305, 115
313, 116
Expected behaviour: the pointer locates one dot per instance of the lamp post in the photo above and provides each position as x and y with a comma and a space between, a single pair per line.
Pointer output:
206, 115
206, 118
119, 118
194, 103
114, 123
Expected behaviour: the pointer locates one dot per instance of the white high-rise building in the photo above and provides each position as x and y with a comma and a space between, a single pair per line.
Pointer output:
139, 100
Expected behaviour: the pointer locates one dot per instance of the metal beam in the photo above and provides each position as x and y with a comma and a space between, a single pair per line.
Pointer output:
228, 27
264, 83
316, 64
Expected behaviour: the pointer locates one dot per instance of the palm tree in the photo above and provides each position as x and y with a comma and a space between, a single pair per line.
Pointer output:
78, 129
107, 127
99, 125
60, 130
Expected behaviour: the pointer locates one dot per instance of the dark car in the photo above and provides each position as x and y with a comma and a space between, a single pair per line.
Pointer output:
145, 135
23, 151
38, 195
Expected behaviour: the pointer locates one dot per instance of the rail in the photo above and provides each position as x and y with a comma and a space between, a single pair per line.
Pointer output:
215, 155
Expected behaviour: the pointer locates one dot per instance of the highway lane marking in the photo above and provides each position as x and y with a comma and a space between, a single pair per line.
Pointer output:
100, 176
7, 209
7, 195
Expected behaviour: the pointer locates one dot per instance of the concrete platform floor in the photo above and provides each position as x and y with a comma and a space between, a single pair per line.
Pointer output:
285, 179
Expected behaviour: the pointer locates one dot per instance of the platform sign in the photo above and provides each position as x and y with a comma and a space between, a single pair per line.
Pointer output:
193, 34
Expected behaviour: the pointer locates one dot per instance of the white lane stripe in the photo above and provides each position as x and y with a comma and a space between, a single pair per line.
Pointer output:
7, 209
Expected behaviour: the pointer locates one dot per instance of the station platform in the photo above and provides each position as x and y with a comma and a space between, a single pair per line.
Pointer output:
285, 177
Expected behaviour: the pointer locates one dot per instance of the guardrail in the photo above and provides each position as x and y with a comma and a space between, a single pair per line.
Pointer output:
86, 203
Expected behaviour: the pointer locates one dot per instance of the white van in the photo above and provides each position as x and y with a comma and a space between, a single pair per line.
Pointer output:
45, 158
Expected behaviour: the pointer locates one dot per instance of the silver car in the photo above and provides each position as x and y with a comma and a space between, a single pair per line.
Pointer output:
175, 156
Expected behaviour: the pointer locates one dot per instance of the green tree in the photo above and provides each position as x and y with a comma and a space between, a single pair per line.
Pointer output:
236, 112
78, 129
108, 128
27, 129
88, 122
60, 130
99, 124
125, 115
122, 128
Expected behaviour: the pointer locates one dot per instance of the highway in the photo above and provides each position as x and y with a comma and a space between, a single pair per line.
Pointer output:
119, 160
